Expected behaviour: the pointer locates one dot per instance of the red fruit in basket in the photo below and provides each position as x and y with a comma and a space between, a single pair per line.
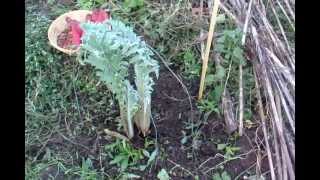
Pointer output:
75, 30
73, 33
98, 15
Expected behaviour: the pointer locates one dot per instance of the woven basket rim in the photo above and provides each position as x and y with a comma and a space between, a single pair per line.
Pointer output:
56, 22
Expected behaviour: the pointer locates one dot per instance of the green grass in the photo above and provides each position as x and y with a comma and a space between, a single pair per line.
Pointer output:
89, 4
62, 99
123, 154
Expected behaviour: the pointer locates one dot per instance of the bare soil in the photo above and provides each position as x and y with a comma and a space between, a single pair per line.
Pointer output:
171, 110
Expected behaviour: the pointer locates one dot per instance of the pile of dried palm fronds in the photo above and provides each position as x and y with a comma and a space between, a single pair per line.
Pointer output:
273, 59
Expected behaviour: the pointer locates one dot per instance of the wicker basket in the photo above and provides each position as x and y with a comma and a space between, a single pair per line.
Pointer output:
60, 24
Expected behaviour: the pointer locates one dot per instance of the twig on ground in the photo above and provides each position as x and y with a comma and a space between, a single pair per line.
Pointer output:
227, 160
178, 165
115, 134
77, 144
246, 170
173, 98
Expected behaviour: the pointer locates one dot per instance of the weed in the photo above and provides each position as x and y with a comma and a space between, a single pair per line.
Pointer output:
50, 167
89, 4
229, 150
123, 154
163, 27
86, 171
57, 91
54, 167
225, 74
194, 135
229, 46
130, 5
208, 105
191, 66
221, 176
163, 175
33, 171
56, 8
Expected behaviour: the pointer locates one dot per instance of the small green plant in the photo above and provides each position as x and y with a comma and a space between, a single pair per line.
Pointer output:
132, 4
229, 46
229, 150
112, 48
163, 175
209, 106
223, 176
191, 67
89, 4
86, 171
225, 74
123, 154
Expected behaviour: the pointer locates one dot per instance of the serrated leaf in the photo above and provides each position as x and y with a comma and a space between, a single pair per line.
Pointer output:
108, 53
163, 175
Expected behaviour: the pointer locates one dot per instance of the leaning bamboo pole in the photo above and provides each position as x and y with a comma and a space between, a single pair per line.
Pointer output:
208, 46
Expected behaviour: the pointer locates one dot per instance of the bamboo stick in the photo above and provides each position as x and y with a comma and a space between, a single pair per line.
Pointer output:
243, 40
207, 50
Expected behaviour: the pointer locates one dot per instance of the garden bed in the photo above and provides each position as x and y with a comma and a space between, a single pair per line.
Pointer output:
171, 110
67, 108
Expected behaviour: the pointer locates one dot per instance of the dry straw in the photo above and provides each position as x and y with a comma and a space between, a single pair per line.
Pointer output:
273, 61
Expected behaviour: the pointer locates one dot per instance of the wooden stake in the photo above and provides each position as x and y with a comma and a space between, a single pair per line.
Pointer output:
243, 40
207, 50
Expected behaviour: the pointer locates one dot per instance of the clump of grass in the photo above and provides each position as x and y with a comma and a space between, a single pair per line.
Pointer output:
56, 168
191, 67
62, 99
123, 154
89, 4
170, 28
